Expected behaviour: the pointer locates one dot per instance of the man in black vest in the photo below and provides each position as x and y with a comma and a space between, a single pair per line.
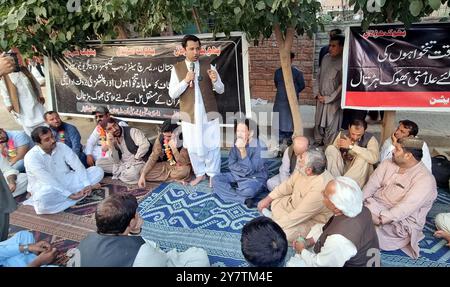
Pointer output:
112, 245
353, 153
128, 150
348, 239
117, 242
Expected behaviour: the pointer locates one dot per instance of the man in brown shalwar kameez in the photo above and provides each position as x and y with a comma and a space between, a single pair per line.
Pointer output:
399, 194
167, 161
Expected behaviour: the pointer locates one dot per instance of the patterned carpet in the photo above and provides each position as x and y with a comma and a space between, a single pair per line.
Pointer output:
179, 216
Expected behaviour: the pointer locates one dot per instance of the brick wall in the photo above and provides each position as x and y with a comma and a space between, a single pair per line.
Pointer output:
264, 60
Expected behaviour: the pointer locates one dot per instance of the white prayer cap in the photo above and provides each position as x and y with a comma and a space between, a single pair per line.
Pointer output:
348, 196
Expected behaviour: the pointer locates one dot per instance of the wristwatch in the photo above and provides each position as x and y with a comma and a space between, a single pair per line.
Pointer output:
26, 249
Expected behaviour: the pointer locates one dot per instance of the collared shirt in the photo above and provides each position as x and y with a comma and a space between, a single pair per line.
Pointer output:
388, 148
94, 139
51, 169
203, 135
69, 135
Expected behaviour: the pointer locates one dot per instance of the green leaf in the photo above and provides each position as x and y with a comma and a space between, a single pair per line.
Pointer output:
415, 7
4, 44
61, 37
260, 5
435, 4
69, 35
237, 10
21, 14
217, 3
86, 25
44, 12
242, 2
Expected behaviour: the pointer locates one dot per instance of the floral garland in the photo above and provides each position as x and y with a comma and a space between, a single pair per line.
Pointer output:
103, 143
168, 152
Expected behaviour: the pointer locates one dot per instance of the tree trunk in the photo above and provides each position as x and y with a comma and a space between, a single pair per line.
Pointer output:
196, 20
285, 46
121, 31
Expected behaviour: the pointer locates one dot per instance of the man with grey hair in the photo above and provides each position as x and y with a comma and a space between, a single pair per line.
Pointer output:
289, 162
399, 194
347, 239
297, 203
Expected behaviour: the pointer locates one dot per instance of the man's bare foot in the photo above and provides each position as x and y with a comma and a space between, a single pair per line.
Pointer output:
444, 235
196, 180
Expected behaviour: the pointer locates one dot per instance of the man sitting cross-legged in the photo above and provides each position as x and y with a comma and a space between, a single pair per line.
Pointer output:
167, 161
347, 239
399, 195
56, 177
353, 153
128, 150
297, 203
117, 242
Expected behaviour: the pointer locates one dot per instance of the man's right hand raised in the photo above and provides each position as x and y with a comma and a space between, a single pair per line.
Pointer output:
189, 77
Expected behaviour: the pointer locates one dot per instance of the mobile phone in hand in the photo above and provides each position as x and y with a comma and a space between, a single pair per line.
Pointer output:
16, 61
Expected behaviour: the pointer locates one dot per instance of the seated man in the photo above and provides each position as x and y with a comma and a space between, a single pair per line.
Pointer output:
167, 161
21, 250
17, 182
399, 194
347, 239
118, 229
263, 243
289, 161
56, 177
297, 203
65, 133
406, 128
96, 146
248, 169
353, 153
128, 150
13, 147
443, 227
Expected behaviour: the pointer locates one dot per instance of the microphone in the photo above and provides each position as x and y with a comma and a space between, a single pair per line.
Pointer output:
191, 83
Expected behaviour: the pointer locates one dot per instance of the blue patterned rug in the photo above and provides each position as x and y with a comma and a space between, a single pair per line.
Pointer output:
433, 252
179, 217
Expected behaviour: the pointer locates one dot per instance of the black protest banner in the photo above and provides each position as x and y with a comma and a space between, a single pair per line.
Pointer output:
131, 77
392, 68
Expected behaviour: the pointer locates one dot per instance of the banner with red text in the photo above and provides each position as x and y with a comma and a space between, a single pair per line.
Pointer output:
131, 77
389, 67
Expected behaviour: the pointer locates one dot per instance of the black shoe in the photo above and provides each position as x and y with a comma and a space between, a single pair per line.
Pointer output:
249, 203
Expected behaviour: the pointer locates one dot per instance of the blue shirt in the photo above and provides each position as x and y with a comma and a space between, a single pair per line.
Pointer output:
20, 138
69, 135
252, 166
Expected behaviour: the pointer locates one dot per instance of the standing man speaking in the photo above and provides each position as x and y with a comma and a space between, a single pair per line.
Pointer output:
196, 81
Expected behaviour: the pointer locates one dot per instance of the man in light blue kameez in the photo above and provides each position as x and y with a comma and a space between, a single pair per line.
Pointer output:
248, 169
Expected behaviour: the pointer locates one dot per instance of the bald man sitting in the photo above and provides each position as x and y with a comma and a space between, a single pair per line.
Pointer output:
299, 146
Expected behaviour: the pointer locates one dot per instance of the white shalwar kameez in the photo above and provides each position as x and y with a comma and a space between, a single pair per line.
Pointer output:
201, 139
31, 111
53, 178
